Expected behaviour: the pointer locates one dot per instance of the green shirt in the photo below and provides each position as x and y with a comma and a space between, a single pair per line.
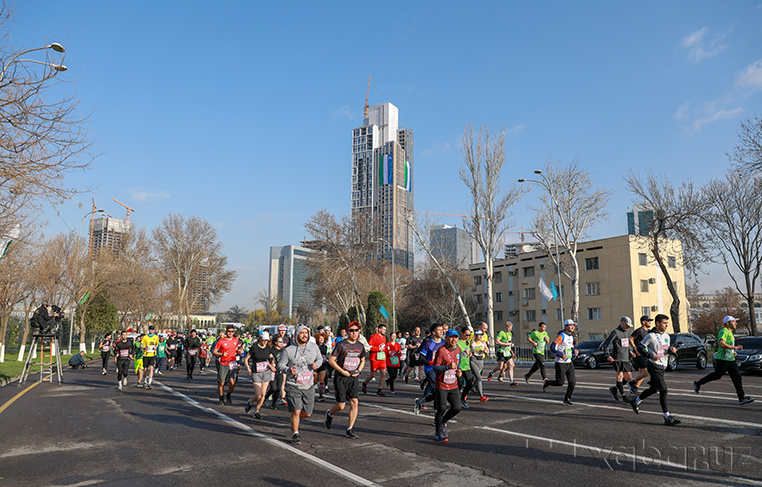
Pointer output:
161, 349
465, 360
725, 353
138, 350
539, 337
505, 337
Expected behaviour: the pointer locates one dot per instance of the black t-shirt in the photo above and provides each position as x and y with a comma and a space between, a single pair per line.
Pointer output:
123, 345
193, 342
172, 344
348, 355
258, 354
638, 335
414, 341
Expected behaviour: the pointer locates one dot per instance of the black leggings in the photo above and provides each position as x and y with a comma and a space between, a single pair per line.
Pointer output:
720, 367
656, 384
539, 363
443, 397
392, 373
122, 368
104, 357
565, 370
466, 382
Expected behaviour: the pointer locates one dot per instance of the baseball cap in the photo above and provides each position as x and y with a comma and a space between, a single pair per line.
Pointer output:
281, 327
626, 319
478, 332
729, 318
645, 318
264, 335
451, 333
569, 322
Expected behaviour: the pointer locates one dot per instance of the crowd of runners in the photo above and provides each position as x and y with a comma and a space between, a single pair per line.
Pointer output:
297, 370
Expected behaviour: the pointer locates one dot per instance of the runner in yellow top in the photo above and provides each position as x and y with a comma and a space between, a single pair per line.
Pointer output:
150, 343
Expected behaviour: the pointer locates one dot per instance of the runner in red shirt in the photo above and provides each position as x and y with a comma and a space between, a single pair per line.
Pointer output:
226, 350
393, 361
447, 372
377, 359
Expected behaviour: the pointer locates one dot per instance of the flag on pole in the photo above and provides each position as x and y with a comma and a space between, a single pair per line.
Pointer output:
5, 240
383, 311
545, 290
84, 298
554, 290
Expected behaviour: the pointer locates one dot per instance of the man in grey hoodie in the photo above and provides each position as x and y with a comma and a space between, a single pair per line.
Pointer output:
299, 362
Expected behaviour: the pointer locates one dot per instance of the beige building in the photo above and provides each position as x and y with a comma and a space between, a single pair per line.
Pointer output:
617, 277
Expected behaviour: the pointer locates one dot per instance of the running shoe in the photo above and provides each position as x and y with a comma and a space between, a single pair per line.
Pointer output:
148, 387
696, 386
439, 437
489, 377
119, 387
464, 404
364, 388
257, 415
159, 372
328, 419
320, 399
124, 381
296, 439
351, 434
671, 421
568, 402
501, 379
626, 399
281, 402
545, 384
514, 384
228, 400
407, 379
247, 408
273, 406
635, 406
746, 400
222, 400
445, 433
614, 393
104, 371
526, 378
417, 407
632, 388
380, 393
484, 399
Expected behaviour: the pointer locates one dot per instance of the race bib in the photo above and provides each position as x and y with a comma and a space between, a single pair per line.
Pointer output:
262, 366
625, 342
172, 347
192, 351
272, 376
124, 353
449, 376
233, 365
150, 348
380, 355
661, 352
394, 360
568, 352
106, 348
304, 378
351, 363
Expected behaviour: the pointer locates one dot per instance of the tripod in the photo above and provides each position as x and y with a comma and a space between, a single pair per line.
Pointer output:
48, 352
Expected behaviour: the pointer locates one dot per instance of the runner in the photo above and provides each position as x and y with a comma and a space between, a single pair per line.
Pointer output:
149, 343
171, 351
105, 347
655, 346
538, 339
445, 367
203, 354
261, 355
413, 343
123, 352
479, 349
282, 330
226, 350
298, 362
321, 373
348, 360
725, 361
161, 354
377, 359
139, 370
275, 389
393, 361
192, 346
504, 341
429, 348
563, 347
466, 381
621, 357
639, 362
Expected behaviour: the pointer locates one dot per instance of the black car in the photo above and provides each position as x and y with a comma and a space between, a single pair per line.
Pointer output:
750, 358
591, 354
691, 351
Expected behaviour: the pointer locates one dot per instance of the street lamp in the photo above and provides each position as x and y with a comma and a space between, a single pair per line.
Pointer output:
394, 290
15, 59
549, 188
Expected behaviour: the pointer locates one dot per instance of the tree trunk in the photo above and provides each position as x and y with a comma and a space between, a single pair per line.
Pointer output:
488, 306
750, 301
674, 308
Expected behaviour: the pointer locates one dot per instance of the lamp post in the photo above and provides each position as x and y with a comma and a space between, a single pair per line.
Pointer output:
15, 59
394, 290
549, 188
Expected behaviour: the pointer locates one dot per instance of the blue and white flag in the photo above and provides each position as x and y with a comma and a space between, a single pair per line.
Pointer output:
383, 311
554, 290
545, 291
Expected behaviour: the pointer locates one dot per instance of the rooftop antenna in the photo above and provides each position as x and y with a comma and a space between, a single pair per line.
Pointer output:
365, 113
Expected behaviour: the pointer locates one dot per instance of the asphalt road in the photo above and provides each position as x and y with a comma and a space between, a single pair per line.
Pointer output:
85, 432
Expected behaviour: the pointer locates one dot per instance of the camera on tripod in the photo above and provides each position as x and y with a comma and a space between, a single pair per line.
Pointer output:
42, 323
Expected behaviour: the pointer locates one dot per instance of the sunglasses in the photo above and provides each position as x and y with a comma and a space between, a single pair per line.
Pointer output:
353, 330
229, 331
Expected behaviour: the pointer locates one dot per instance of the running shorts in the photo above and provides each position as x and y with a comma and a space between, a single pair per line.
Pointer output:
300, 399
346, 388
149, 362
377, 365
138, 364
622, 366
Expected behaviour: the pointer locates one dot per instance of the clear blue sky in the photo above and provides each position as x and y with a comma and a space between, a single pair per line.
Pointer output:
241, 112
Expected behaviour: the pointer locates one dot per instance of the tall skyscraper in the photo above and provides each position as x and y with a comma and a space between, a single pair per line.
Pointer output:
382, 182
454, 246
107, 233
289, 273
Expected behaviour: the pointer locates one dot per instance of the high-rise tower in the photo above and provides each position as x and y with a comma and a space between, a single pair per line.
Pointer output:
382, 182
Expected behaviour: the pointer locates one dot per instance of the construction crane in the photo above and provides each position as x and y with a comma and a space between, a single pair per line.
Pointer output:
365, 113
126, 207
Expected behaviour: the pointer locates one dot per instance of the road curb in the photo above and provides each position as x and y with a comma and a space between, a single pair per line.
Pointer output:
5, 382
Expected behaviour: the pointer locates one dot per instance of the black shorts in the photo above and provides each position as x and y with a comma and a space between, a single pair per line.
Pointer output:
149, 362
346, 387
639, 362
501, 357
622, 366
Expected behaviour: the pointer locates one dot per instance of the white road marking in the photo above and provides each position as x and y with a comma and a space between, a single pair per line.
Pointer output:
401, 411
272, 441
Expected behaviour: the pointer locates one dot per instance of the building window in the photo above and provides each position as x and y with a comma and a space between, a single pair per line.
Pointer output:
530, 315
477, 280
529, 293
498, 297
644, 285
672, 262
592, 289
591, 263
528, 271
642, 259
595, 336
593, 313
498, 276
645, 311
498, 316
558, 314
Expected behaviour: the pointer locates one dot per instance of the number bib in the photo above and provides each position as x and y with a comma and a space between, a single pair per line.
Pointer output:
106, 348
192, 351
380, 355
449, 376
394, 360
625, 342
261, 366
351, 364
304, 378
233, 365
124, 353
661, 352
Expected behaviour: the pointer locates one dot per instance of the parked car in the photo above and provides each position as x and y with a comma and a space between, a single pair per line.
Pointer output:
691, 351
750, 358
591, 354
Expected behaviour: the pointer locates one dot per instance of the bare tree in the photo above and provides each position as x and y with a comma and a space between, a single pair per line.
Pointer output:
709, 320
570, 207
12, 287
490, 209
733, 225
430, 298
192, 261
747, 153
675, 214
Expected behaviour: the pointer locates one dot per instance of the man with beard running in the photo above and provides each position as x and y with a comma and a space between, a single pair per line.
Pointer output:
726, 361
192, 347
563, 347
299, 362
348, 360
226, 350
639, 362
620, 337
